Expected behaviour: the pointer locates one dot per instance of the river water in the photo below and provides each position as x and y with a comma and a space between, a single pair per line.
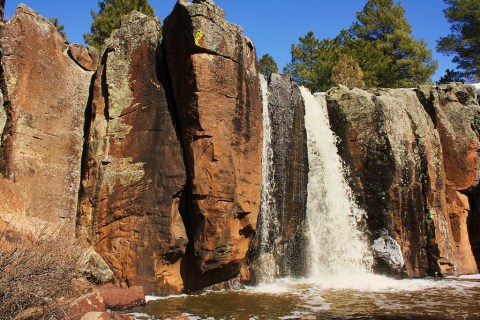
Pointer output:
373, 298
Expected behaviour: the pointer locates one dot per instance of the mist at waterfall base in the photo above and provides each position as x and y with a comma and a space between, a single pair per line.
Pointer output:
340, 283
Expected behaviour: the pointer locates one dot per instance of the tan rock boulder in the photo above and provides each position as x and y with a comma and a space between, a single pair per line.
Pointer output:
41, 120
131, 197
122, 298
216, 86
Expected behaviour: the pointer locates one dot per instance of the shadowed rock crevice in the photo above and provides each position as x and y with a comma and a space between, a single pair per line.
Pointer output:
6, 124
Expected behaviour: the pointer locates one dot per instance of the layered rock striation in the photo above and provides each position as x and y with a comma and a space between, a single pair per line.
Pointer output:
402, 148
215, 82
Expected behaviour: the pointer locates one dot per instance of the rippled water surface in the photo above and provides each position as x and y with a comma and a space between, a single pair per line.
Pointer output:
373, 298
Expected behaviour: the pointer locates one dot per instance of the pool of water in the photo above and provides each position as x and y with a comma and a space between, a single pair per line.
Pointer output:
373, 298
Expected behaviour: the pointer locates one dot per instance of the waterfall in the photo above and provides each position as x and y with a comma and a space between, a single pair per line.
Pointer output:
337, 249
269, 228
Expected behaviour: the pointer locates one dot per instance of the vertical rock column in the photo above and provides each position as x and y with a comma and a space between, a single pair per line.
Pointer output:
45, 93
134, 174
455, 113
216, 85
289, 181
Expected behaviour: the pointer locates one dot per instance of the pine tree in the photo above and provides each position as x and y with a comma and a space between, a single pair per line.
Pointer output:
406, 61
313, 61
347, 72
464, 39
109, 18
267, 65
60, 27
451, 76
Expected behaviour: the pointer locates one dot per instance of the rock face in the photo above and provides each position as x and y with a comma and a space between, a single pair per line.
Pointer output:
45, 94
456, 115
216, 86
289, 156
404, 176
134, 174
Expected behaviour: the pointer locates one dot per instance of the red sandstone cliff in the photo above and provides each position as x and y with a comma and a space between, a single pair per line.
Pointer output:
215, 81
134, 174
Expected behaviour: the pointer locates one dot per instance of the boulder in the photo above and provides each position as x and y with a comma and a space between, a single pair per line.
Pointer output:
42, 117
95, 268
399, 171
105, 316
85, 57
91, 302
122, 298
215, 81
131, 198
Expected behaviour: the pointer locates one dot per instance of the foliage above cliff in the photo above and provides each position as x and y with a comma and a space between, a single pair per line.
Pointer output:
381, 43
267, 65
109, 18
347, 72
464, 39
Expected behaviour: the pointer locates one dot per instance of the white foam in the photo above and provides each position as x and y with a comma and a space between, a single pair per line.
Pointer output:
470, 276
154, 298
139, 316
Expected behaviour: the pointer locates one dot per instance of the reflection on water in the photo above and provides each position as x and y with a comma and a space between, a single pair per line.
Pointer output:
452, 298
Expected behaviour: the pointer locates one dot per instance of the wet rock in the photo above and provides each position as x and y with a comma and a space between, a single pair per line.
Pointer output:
289, 156
219, 112
386, 250
133, 167
45, 94
122, 299
400, 172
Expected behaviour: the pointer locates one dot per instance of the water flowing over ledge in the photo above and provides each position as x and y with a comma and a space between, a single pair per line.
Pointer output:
337, 249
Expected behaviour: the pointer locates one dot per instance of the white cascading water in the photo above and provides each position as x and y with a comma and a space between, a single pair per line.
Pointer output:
337, 251
267, 267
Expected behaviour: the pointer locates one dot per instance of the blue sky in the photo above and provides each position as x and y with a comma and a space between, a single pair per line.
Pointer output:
272, 25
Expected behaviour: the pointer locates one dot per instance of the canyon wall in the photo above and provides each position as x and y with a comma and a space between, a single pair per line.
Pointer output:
150, 152
45, 94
